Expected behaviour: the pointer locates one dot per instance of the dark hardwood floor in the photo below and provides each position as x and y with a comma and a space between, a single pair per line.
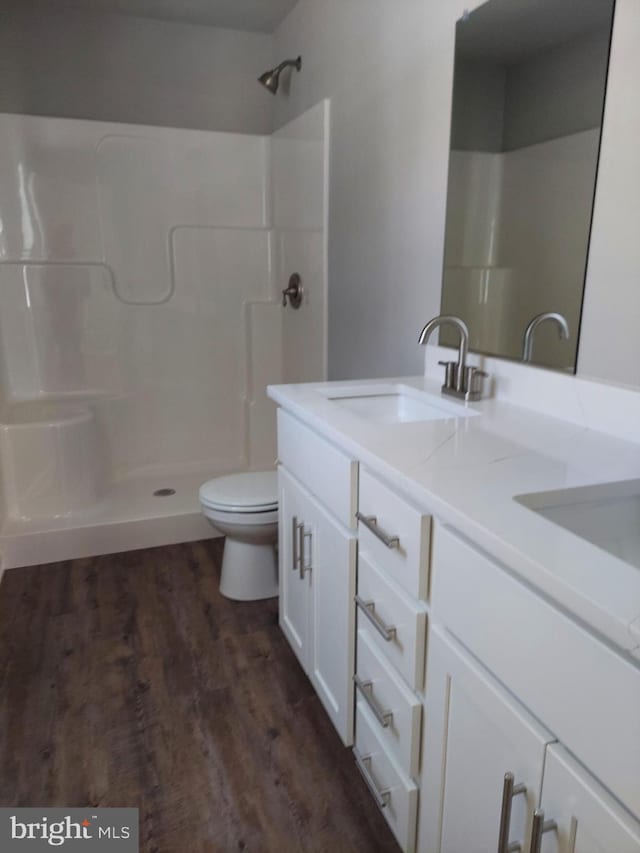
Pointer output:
127, 680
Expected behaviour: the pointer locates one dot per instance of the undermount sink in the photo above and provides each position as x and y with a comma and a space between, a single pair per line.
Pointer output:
396, 404
607, 515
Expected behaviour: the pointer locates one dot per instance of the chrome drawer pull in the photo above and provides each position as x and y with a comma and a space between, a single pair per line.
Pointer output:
304, 567
366, 689
382, 798
369, 610
509, 791
371, 523
540, 826
295, 530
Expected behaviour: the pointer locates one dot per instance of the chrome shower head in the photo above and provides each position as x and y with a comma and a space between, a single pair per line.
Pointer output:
271, 79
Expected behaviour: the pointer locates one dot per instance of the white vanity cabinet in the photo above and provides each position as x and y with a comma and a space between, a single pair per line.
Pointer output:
583, 691
318, 572
332, 557
295, 582
393, 581
512, 685
476, 735
395, 534
586, 818
482, 712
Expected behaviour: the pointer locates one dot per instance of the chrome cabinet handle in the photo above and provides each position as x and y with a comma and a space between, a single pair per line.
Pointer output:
509, 791
304, 568
366, 689
382, 797
371, 523
369, 610
540, 826
301, 550
296, 556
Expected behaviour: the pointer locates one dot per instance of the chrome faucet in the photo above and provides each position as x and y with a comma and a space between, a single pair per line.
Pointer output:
460, 381
563, 331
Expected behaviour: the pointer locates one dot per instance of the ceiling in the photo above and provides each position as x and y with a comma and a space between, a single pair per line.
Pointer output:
508, 31
251, 15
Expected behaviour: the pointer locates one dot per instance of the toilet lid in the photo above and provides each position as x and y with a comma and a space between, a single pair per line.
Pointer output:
250, 492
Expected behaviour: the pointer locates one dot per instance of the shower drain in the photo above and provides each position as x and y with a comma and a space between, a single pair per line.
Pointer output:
164, 493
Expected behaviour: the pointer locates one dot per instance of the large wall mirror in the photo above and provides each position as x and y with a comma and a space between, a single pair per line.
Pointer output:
528, 99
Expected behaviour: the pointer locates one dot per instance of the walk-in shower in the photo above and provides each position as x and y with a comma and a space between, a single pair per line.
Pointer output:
141, 318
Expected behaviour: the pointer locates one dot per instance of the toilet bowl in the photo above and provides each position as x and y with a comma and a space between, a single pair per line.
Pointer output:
245, 508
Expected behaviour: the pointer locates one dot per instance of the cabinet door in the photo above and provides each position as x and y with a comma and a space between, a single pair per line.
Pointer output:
294, 589
587, 818
333, 585
475, 733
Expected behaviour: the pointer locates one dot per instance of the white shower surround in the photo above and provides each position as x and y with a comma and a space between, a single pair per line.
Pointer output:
518, 228
141, 320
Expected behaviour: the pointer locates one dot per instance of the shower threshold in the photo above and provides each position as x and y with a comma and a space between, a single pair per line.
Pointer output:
130, 516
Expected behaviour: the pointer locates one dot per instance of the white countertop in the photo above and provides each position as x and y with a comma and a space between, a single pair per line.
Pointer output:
467, 471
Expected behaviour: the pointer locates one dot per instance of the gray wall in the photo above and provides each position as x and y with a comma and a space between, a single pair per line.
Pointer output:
477, 122
550, 95
118, 68
556, 93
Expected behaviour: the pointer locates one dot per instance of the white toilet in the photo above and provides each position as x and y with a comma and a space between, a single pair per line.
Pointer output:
245, 508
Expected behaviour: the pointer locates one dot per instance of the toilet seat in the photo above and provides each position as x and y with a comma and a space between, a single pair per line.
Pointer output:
224, 517
249, 493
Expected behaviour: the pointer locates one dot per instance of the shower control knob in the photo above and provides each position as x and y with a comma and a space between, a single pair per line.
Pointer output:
293, 292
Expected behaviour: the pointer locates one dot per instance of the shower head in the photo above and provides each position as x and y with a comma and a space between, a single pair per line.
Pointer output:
271, 79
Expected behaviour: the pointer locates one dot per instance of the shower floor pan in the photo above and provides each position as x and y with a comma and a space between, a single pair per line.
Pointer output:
61, 500
127, 517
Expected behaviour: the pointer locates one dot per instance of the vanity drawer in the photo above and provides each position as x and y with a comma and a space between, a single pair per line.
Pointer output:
382, 606
407, 559
396, 710
325, 471
585, 693
395, 794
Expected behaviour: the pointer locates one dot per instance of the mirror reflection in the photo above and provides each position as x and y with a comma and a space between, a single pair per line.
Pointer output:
528, 98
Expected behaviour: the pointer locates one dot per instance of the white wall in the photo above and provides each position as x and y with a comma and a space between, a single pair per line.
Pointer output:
387, 68
300, 165
610, 341
289, 345
72, 64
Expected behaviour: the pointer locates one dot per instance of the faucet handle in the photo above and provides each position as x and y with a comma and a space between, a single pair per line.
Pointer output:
472, 371
473, 382
451, 373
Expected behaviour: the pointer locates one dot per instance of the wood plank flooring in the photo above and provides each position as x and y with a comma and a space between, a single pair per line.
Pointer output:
127, 680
